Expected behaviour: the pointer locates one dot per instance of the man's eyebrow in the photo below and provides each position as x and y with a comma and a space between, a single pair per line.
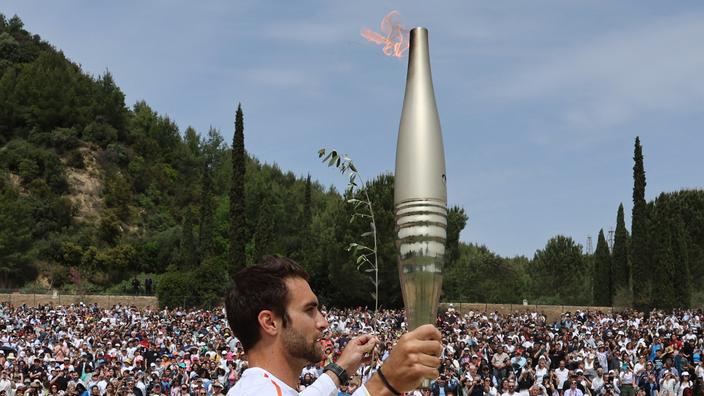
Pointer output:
311, 304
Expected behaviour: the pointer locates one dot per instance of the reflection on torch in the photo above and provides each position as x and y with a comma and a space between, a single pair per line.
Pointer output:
420, 193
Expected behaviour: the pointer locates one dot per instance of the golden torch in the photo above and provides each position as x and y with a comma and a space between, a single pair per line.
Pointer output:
420, 192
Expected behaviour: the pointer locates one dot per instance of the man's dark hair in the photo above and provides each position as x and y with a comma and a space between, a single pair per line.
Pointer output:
257, 288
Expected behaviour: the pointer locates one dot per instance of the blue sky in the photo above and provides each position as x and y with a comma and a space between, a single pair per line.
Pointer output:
540, 101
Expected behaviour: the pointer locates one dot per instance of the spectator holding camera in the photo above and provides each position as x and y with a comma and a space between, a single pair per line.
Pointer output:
440, 386
500, 362
668, 384
488, 387
651, 387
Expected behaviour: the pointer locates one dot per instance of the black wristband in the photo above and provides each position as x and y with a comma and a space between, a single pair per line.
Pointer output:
386, 383
339, 372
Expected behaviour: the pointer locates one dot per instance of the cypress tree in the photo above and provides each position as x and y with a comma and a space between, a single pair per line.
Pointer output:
302, 243
621, 275
603, 286
264, 231
211, 153
207, 212
187, 254
642, 286
307, 215
238, 239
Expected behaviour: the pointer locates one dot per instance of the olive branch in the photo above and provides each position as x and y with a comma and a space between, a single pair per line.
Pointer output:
366, 257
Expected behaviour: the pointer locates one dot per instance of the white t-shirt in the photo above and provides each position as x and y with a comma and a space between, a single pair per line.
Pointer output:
562, 375
256, 381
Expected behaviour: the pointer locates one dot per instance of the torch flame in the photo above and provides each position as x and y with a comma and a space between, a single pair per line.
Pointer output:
393, 36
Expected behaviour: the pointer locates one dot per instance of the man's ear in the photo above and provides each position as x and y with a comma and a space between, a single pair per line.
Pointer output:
269, 322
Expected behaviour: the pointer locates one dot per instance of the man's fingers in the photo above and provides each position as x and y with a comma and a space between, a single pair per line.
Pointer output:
368, 347
433, 348
363, 339
429, 361
427, 332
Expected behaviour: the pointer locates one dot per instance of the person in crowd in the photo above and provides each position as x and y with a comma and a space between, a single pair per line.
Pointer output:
684, 386
651, 387
628, 382
573, 389
562, 374
597, 384
500, 363
668, 384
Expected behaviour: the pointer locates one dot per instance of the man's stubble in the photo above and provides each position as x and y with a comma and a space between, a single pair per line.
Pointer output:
299, 347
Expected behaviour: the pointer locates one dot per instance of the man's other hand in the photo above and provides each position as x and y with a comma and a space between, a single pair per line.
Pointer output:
354, 352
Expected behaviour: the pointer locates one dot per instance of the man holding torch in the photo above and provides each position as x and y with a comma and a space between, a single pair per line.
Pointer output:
275, 315
273, 311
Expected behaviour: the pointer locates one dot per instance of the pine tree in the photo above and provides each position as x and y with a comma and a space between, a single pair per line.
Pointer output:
670, 255
238, 239
558, 270
456, 222
663, 258
603, 287
620, 270
640, 260
683, 286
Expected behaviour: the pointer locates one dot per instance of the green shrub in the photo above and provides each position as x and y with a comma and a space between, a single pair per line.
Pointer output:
101, 133
74, 159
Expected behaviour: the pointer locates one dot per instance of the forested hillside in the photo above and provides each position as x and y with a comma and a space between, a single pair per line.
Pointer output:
94, 193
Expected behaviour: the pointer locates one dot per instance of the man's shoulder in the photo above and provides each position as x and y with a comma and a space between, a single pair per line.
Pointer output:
253, 388
255, 381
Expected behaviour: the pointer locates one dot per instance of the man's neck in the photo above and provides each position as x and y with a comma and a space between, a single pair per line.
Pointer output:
270, 359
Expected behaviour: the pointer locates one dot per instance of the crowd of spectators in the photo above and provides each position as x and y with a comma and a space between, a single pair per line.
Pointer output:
84, 350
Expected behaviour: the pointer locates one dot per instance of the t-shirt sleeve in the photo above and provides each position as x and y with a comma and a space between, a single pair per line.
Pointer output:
361, 391
323, 386
258, 389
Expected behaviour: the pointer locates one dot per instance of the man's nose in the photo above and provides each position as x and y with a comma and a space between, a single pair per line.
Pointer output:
323, 322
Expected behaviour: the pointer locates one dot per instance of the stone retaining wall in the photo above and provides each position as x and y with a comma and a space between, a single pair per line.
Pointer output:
103, 301
552, 312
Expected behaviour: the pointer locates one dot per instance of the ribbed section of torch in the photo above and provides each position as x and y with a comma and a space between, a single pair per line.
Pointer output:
421, 232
